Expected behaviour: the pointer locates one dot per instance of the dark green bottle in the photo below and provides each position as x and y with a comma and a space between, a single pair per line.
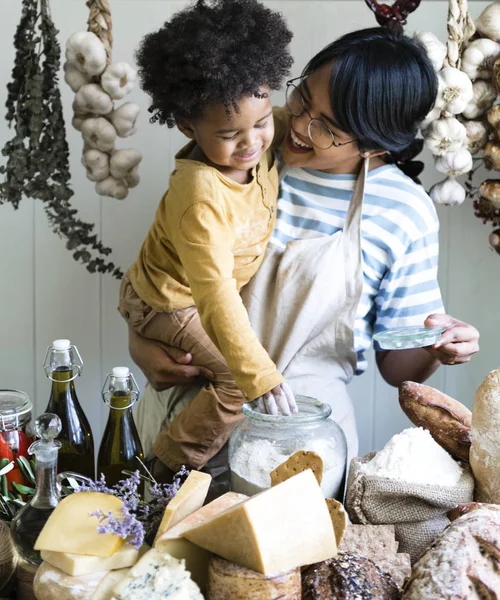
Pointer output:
120, 447
63, 364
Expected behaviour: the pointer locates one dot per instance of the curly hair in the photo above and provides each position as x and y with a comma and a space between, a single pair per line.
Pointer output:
210, 53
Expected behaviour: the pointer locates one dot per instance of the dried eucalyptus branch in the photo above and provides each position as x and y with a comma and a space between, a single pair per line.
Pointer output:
37, 156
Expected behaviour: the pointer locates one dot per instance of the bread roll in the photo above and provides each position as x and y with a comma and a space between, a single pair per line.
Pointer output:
463, 509
446, 419
462, 563
485, 449
228, 581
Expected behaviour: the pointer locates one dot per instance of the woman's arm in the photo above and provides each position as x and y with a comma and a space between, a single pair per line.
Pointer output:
457, 345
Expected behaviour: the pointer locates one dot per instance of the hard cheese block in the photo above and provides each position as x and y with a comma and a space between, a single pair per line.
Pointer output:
70, 529
104, 591
228, 581
282, 528
51, 583
196, 558
189, 498
79, 564
157, 576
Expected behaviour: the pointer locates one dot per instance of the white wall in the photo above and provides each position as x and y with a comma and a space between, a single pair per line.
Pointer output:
45, 294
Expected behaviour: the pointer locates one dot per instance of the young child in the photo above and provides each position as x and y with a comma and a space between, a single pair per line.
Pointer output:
209, 71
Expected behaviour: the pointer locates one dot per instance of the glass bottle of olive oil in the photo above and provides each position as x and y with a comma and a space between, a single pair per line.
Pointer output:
120, 447
63, 364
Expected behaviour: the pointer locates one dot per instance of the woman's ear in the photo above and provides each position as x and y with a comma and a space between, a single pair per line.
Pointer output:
373, 153
186, 127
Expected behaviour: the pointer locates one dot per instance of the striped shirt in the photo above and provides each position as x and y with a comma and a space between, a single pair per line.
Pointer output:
399, 242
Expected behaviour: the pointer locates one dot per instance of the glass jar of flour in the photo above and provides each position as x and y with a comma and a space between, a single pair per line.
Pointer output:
261, 442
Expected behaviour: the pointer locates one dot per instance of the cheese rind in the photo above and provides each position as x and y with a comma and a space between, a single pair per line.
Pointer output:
104, 591
79, 564
284, 527
51, 583
155, 577
188, 499
196, 558
71, 529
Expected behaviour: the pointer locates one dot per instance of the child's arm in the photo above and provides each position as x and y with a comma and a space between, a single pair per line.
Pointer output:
204, 243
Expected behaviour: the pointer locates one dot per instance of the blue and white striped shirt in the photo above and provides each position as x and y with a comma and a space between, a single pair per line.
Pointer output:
399, 242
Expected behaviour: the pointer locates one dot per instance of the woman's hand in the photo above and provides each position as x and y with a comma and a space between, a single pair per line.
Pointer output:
458, 343
163, 366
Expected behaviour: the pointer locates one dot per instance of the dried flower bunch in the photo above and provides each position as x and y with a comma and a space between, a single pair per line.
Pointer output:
37, 156
98, 83
139, 520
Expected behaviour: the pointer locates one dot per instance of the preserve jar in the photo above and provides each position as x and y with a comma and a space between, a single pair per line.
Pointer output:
261, 442
15, 431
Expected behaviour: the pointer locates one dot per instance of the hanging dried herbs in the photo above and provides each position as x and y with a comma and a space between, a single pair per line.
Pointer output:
37, 156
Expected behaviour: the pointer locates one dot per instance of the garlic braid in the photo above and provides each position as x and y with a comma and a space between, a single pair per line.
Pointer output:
100, 23
460, 30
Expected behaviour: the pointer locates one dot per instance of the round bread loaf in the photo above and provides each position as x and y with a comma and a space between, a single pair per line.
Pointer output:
347, 577
228, 581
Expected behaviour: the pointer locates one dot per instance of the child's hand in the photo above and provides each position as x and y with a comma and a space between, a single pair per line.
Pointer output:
278, 401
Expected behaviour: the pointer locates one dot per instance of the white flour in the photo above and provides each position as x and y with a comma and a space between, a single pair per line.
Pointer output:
414, 456
253, 462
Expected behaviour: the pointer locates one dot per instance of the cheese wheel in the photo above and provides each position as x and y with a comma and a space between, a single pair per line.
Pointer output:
51, 583
229, 581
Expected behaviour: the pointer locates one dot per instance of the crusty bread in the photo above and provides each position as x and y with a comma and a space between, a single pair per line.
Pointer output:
446, 419
347, 577
485, 449
463, 509
228, 581
462, 563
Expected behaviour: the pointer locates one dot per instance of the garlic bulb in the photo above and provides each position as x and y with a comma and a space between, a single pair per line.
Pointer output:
114, 188
98, 134
448, 192
124, 119
478, 58
477, 136
91, 98
123, 162
490, 190
495, 75
484, 95
454, 91
74, 77
86, 52
118, 80
133, 177
445, 135
78, 119
96, 164
432, 116
494, 240
435, 49
494, 117
492, 156
488, 22
455, 163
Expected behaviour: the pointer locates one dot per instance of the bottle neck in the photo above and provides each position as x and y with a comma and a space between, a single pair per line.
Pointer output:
46, 494
118, 403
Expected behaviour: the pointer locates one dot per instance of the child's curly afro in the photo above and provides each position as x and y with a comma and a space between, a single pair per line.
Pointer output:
212, 52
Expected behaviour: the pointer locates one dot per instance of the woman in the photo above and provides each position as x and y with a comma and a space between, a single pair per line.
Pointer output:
355, 247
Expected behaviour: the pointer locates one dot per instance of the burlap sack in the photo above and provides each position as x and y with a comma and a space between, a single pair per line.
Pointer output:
417, 511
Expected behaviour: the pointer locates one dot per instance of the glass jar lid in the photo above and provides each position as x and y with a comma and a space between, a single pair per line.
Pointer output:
310, 411
15, 409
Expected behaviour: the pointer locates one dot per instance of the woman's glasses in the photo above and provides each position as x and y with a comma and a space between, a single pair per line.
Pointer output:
319, 133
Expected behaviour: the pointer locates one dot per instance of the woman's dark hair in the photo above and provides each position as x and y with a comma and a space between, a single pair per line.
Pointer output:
210, 53
382, 85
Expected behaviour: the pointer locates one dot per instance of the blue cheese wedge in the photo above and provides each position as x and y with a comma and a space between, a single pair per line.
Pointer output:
156, 576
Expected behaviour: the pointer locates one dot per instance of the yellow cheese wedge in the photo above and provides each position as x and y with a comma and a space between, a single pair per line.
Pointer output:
79, 564
196, 558
70, 529
282, 528
189, 498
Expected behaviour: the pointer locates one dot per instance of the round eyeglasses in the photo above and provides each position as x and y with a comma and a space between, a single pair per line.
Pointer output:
319, 133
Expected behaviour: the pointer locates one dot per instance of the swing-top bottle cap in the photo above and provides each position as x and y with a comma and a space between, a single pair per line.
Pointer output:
61, 344
121, 372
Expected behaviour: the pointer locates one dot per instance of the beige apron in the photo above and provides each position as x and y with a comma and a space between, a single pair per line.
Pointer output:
302, 304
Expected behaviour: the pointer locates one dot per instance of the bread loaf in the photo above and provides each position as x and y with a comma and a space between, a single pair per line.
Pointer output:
347, 577
485, 449
228, 581
462, 563
463, 509
446, 419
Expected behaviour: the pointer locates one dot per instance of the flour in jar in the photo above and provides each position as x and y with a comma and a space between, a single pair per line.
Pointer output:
253, 461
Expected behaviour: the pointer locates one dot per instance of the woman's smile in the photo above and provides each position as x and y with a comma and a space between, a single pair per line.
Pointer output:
296, 144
